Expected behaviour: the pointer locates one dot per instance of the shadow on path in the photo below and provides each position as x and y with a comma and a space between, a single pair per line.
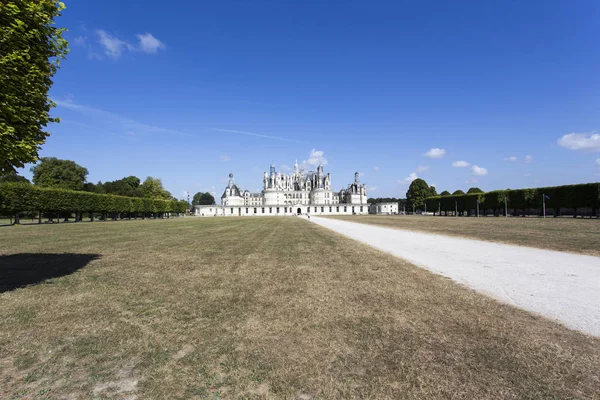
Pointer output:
18, 270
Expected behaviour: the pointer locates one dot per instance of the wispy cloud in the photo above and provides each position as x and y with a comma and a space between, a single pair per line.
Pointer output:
479, 171
256, 135
581, 141
511, 159
80, 41
114, 47
460, 164
315, 158
528, 159
149, 44
435, 152
422, 168
408, 179
124, 124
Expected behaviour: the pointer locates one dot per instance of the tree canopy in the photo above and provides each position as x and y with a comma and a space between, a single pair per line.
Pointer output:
417, 192
474, 190
203, 199
14, 178
153, 188
63, 174
432, 191
457, 192
445, 193
30, 51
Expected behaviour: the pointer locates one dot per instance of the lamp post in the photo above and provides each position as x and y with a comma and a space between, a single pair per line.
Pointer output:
439, 208
505, 206
455, 208
477, 208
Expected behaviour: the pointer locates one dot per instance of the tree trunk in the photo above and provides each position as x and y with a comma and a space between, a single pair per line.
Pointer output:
40, 217
17, 219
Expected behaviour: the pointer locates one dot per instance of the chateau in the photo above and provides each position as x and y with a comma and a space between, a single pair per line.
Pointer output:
299, 192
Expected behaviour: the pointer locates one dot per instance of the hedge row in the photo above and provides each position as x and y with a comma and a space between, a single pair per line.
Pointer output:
568, 196
21, 197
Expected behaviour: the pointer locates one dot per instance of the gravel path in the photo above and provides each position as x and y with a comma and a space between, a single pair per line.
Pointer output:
560, 286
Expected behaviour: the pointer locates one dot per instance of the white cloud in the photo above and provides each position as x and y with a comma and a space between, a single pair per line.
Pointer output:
149, 44
435, 153
580, 141
460, 164
315, 158
528, 159
113, 46
408, 179
422, 168
433, 184
511, 158
479, 171
376, 168
80, 41
224, 158
256, 135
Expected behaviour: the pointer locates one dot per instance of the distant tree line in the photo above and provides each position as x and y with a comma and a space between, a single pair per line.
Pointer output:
18, 198
520, 201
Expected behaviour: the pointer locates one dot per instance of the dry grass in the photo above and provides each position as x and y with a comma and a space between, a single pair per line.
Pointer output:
264, 308
562, 234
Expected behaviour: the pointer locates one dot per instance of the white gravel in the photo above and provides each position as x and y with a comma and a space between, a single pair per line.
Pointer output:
561, 286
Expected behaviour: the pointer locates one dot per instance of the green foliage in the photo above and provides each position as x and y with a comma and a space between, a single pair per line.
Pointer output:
153, 188
30, 51
568, 196
203, 199
13, 177
128, 186
19, 197
474, 190
63, 174
458, 192
432, 191
417, 192
445, 193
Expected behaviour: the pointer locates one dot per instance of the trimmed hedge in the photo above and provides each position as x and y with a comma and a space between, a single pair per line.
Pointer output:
21, 197
569, 196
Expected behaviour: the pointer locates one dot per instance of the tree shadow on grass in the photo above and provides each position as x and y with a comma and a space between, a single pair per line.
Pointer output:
19, 270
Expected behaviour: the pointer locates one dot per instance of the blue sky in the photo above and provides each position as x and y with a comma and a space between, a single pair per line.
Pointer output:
466, 93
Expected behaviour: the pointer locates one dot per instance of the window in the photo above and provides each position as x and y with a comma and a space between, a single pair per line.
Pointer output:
277, 210
315, 209
329, 209
263, 210
337, 209
270, 210
361, 208
254, 210
352, 209
345, 208
232, 210
307, 209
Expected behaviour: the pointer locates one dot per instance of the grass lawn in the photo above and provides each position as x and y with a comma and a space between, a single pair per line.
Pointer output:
260, 308
562, 234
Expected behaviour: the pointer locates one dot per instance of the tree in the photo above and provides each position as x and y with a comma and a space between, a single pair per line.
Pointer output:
153, 188
445, 193
128, 186
474, 190
458, 193
432, 191
13, 177
203, 199
30, 51
417, 192
63, 174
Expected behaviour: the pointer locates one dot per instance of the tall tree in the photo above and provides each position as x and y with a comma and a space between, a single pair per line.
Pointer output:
153, 188
203, 199
445, 193
30, 51
64, 174
13, 177
128, 186
474, 190
457, 192
417, 192
432, 191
